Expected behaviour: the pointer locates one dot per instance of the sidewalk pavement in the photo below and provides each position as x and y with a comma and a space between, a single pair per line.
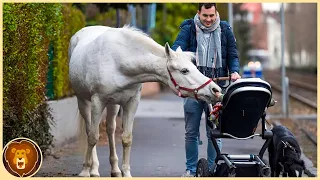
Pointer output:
162, 105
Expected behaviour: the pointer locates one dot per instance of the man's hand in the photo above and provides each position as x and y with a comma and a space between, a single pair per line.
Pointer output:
235, 76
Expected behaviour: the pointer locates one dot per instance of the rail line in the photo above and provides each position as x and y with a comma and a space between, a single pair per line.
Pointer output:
303, 92
296, 96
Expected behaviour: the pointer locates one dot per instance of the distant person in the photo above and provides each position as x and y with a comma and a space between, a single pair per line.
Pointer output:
216, 55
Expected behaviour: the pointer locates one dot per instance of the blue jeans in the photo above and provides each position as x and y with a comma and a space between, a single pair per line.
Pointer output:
193, 110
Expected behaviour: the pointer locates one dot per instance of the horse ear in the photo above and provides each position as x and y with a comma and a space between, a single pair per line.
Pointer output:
167, 50
179, 49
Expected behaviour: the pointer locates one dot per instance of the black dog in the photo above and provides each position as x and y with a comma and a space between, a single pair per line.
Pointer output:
284, 154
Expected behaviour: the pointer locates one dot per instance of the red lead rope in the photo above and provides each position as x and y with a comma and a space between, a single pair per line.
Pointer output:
195, 91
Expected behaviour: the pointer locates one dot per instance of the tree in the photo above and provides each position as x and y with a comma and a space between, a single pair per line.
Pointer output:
223, 11
104, 7
242, 32
171, 15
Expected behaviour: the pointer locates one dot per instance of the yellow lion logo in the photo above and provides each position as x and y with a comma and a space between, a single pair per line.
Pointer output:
22, 158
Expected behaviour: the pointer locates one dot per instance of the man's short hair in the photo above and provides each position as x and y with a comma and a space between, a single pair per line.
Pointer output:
207, 5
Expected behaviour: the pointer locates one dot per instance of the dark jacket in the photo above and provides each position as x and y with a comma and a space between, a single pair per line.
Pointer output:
186, 39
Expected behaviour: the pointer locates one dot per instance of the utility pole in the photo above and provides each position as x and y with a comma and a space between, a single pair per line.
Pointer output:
132, 10
230, 14
283, 69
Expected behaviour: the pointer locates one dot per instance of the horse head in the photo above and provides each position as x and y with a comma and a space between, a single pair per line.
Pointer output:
186, 80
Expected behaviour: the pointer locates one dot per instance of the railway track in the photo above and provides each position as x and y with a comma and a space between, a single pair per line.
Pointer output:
304, 92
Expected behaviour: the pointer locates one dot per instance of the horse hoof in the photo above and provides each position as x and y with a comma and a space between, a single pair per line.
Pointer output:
126, 174
116, 174
94, 174
84, 174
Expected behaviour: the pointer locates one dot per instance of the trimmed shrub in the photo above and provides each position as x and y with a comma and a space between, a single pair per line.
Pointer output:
28, 29
73, 20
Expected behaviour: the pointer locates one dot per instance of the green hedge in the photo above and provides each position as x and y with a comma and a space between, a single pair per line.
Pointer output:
74, 20
28, 29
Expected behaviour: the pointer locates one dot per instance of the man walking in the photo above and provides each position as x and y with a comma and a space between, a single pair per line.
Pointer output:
216, 55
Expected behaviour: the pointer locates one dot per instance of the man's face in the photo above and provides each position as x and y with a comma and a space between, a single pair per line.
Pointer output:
207, 16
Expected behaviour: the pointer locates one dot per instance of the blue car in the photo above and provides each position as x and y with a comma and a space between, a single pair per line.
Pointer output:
252, 70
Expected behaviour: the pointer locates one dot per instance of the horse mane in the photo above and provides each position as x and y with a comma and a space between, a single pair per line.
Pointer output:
134, 29
145, 41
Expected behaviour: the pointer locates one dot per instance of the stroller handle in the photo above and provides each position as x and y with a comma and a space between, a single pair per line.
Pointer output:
221, 78
228, 78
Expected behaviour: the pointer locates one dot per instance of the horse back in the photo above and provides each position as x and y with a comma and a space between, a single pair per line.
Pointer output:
94, 63
85, 36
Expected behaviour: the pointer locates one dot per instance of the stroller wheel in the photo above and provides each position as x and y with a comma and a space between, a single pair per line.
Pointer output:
202, 168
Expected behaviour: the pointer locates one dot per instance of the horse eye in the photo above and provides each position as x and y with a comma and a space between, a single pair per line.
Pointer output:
184, 71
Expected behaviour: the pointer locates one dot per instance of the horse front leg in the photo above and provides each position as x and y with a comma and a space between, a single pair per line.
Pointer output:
112, 111
129, 111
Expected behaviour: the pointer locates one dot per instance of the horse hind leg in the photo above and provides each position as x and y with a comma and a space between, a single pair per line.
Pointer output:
84, 110
91, 162
129, 111
112, 111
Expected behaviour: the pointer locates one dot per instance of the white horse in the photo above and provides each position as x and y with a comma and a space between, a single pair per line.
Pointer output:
107, 68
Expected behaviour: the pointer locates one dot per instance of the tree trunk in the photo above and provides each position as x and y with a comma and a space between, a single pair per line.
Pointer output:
118, 17
164, 14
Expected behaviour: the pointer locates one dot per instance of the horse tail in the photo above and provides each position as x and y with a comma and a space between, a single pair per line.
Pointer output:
82, 134
73, 43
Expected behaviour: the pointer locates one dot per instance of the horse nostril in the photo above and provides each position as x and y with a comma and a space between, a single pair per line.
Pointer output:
215, 90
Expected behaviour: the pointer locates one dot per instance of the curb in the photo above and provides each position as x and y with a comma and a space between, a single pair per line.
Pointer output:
311, 171
64, 113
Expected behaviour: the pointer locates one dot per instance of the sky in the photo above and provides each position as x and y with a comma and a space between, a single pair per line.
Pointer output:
271, 6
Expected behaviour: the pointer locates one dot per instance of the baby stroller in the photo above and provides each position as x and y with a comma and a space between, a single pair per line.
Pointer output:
237, 116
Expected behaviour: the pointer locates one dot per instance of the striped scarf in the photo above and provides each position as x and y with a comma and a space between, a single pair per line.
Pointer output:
208, 55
